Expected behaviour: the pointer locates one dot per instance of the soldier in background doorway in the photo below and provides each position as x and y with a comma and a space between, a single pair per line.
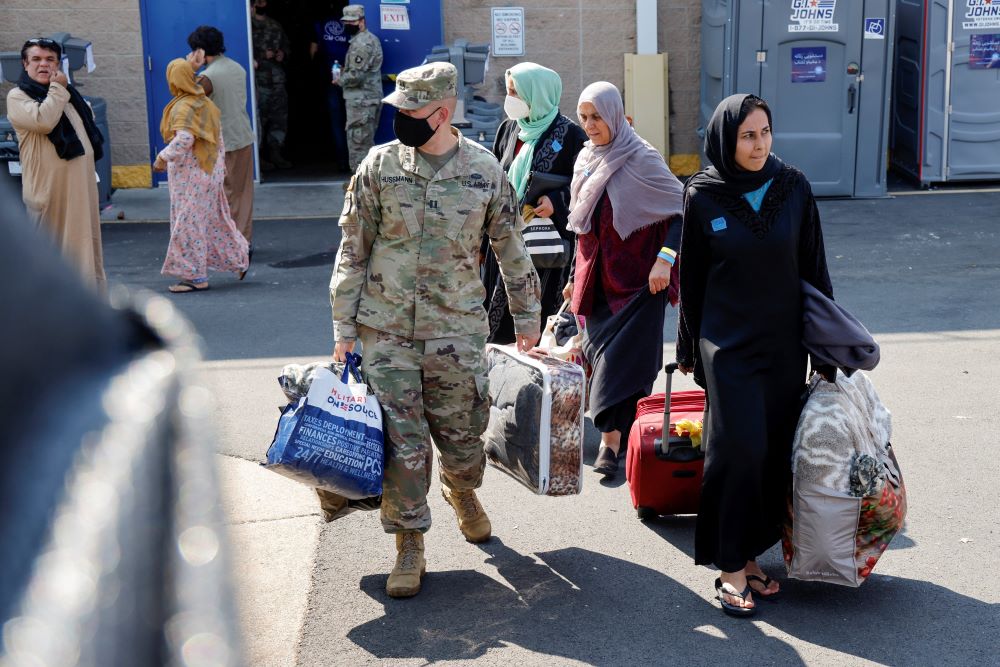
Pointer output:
270, 52
328, 46
361, 80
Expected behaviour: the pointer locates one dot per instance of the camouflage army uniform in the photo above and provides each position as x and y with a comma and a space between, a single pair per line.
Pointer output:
361, 79
269, 77
406, 282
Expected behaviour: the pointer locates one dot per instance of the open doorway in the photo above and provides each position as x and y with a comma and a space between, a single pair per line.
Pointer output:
311, 150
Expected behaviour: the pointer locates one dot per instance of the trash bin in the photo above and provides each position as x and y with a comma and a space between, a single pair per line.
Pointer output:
100, 107
10, 165
474, 60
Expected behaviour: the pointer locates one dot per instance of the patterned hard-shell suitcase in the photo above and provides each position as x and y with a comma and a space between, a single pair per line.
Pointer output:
535, 433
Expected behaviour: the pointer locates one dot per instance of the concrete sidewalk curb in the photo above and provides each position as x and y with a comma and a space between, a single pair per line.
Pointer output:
273, 526
272, 201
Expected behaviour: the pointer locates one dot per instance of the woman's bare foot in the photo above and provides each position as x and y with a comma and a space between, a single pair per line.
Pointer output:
738, 580
758, 584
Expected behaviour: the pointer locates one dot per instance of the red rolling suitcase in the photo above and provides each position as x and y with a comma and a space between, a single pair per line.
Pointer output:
665, 480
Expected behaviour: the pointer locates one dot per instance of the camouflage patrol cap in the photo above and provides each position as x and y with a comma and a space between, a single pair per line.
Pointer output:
353, 13
419, 86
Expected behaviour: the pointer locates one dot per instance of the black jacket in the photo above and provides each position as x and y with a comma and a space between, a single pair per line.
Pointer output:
562, 133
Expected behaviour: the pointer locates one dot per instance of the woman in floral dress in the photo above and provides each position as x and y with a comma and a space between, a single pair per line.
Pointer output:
203, 234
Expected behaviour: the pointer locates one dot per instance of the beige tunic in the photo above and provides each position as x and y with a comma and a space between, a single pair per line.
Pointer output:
60, 195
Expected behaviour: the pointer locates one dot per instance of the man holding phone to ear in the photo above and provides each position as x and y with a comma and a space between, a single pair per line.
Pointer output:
60, 144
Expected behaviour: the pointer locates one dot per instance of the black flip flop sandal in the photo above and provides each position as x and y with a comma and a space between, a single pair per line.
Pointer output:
191, 287
731, 609
765, 581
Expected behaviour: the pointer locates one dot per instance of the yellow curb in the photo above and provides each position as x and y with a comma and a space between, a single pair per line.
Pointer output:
685, 164
132, 176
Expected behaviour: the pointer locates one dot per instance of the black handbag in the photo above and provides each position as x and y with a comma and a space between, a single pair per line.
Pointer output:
547, 247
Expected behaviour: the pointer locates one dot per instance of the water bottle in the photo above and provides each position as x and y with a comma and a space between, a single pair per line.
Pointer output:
335, 71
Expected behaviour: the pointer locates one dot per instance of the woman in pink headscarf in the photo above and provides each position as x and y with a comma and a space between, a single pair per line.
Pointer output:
625, 209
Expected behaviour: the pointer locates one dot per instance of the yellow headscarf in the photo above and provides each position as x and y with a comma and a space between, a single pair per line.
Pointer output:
191, 110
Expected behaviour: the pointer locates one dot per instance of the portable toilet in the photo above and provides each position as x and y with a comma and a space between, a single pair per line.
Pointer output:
946, 95
823, 66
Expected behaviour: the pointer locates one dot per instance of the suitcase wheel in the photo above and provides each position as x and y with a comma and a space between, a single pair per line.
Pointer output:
645, 513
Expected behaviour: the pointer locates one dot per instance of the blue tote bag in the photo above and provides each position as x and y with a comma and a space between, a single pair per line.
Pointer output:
332, 438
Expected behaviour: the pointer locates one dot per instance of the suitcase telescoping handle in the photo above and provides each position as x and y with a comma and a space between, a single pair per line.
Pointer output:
669, 368
677, 449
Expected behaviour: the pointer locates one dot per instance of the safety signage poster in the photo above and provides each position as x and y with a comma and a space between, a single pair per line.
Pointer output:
981, 14
813, 16
395, 17
984, 51
508, 31
874, 28
809, 64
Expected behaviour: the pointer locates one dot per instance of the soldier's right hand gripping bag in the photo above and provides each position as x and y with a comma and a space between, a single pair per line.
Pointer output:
332, 438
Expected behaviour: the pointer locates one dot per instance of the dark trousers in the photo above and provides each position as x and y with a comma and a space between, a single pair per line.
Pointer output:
338, 125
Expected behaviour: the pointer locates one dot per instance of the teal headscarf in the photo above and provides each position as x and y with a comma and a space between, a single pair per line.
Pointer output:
541, 89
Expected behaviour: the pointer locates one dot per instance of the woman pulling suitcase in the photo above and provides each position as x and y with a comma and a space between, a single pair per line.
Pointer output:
624, 210
751, 231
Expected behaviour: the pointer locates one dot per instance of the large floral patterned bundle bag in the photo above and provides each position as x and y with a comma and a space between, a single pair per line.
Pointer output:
848, 499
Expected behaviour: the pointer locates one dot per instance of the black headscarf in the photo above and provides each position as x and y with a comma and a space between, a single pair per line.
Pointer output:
725, 176
63, 136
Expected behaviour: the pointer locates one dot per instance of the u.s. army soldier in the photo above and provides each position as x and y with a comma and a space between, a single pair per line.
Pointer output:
406, 283
361, 80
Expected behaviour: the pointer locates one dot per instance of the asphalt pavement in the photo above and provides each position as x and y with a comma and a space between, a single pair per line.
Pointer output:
580, 580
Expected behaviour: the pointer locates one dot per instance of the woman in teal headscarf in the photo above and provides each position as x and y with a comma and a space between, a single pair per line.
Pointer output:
535, 138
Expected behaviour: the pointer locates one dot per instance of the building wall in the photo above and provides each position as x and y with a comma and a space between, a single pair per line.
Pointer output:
679, 35
585, 41
114, 28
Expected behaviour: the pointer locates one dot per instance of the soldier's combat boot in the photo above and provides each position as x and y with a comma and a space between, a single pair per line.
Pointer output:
404, 580
472, 519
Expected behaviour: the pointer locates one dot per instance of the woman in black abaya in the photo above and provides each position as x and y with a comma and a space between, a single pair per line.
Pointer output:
751, 232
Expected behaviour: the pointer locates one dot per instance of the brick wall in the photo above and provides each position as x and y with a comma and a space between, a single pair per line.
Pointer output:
585, 41
679, 35
114, 28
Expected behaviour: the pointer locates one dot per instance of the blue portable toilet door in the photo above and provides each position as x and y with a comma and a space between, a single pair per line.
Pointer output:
811, 50
973, 104
165, 28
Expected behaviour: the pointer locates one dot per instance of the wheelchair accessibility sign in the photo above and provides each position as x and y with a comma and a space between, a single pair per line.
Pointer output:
874, 28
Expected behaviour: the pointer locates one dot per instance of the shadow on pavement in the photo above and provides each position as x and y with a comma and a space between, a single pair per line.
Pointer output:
597, 609
319, 259
573, 604
890, 620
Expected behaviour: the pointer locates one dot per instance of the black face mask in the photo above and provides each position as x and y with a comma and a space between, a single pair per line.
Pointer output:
413, 132
351, 29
